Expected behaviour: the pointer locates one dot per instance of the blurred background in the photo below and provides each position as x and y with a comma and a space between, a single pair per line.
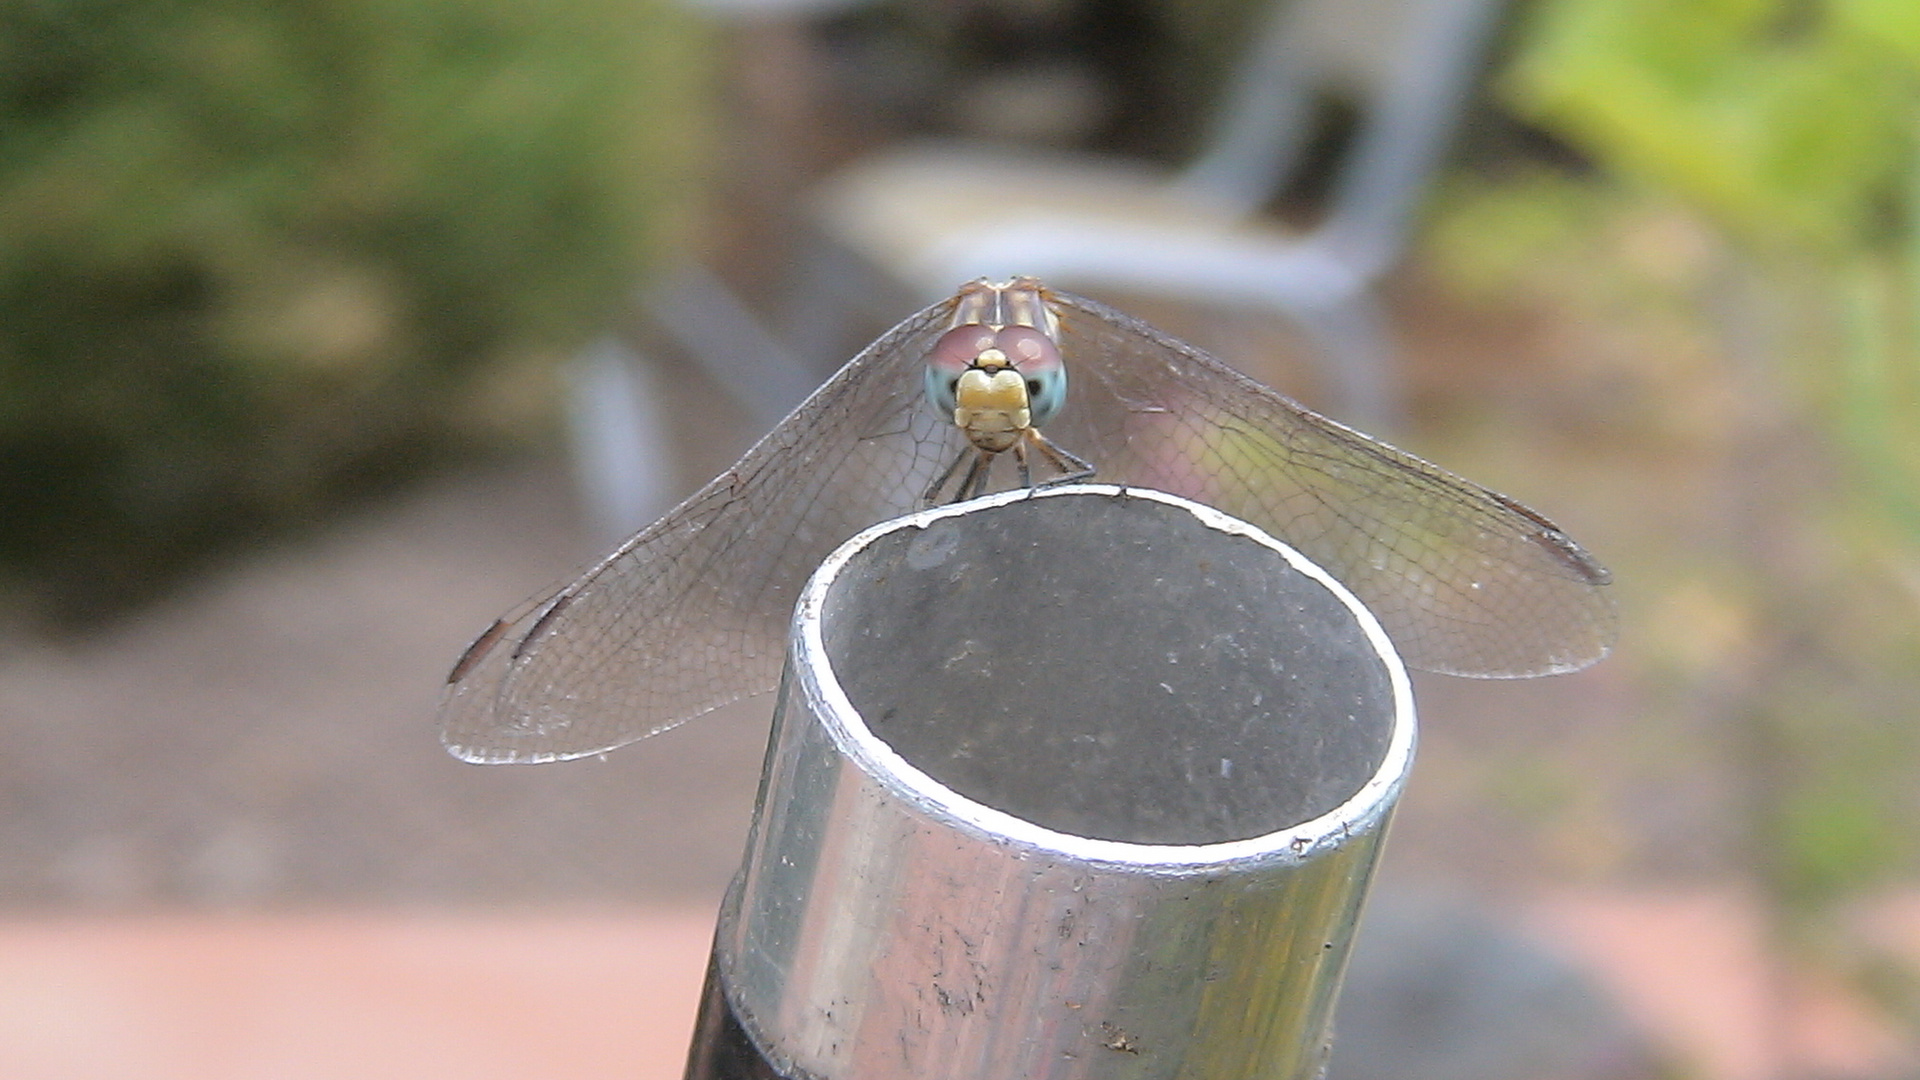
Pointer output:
304, 310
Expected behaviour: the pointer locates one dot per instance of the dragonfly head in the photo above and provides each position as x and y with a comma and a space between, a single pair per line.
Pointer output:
1013, 370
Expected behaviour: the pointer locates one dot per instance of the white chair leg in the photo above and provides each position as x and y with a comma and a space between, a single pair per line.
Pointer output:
1355, 342
622, 454
834, 297
700, 315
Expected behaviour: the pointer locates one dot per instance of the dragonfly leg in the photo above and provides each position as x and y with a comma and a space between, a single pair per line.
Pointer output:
1020, 459
1071, 465
976, 478
931, 496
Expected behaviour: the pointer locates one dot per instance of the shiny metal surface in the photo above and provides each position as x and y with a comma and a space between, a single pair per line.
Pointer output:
691, 612
1076, 783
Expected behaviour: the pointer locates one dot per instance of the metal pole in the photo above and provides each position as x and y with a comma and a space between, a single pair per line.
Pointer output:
1080, 782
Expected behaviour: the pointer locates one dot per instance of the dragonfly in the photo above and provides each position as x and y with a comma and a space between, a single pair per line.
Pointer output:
691, 613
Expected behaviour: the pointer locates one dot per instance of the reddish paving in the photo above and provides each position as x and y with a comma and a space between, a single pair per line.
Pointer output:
287, 997
612, 993
1691, 967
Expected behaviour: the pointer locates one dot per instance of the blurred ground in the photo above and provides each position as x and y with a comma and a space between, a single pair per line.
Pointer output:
266, 737
183, 790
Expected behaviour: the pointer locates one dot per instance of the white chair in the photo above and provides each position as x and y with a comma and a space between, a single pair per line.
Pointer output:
624, 455
925, 217
908, 225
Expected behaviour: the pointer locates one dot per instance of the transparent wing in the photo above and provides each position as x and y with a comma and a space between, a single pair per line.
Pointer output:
691, 613
1465, 580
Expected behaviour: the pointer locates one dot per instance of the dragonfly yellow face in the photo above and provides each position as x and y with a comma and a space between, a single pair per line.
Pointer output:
999, 374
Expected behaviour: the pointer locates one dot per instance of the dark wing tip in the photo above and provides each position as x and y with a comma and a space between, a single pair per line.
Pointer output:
1570, 554
1563, 548
477, 651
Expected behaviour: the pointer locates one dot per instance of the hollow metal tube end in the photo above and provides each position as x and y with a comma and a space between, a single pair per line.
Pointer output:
1071, 783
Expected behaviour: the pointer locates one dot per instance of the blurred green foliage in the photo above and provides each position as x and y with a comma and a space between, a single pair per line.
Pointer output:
1786, 120
1791, 131
1877, 393
255, 256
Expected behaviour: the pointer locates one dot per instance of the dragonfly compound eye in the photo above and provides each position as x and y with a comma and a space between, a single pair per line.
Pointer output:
1037, 359
950, 356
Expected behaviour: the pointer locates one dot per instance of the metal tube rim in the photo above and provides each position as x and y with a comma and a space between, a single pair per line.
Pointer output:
1361, 812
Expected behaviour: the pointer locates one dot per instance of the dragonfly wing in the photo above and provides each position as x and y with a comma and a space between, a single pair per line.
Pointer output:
1466, 581
691, 613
